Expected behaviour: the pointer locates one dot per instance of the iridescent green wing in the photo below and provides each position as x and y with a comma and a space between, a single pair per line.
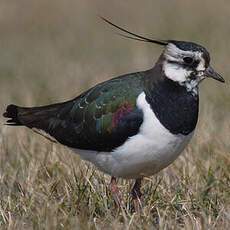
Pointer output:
104, 117
100, 119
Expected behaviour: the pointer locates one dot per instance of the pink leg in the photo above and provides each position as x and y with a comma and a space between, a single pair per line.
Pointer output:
116, 192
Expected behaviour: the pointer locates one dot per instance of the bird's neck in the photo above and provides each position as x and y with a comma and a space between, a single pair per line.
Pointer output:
175, 106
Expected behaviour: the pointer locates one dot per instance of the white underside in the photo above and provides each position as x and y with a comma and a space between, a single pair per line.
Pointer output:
144, 154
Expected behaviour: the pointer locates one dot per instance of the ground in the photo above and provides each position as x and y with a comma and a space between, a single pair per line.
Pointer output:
50, 51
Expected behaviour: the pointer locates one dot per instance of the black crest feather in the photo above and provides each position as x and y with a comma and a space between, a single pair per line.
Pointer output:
135, 36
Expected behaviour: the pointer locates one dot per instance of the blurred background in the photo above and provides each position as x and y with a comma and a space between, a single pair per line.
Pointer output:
52, 50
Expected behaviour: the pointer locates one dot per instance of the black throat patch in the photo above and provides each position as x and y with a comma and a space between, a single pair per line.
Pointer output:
175, 107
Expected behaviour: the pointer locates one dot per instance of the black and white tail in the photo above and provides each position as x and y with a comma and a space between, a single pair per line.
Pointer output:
52, 121
32, 117
12, 113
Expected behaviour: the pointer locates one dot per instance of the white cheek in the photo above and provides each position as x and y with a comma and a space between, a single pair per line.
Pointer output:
175, 72
201, 66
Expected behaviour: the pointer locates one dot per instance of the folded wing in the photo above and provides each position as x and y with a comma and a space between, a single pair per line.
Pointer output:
100, 119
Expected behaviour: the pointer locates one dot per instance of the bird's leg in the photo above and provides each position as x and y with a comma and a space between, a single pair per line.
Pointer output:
136, 195
116, 192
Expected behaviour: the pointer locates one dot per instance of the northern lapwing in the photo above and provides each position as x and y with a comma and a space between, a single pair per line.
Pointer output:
133, 125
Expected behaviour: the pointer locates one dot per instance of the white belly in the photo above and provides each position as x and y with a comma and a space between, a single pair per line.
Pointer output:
144, 154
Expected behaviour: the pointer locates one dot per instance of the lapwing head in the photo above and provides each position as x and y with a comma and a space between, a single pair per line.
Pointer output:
186, 63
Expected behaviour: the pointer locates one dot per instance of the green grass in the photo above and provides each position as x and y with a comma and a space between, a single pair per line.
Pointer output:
53, 50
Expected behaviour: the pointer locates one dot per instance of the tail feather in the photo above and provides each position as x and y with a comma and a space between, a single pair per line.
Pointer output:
12, 113
50, 121
32, 117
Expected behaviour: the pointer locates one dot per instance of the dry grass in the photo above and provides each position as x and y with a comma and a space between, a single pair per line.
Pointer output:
52, 50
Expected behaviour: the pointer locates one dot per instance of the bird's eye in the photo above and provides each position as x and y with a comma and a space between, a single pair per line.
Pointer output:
188, 60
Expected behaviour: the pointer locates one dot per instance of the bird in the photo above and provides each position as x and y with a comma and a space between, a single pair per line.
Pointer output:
131, 126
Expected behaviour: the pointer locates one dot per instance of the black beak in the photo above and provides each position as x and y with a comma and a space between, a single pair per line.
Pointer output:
210, 72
